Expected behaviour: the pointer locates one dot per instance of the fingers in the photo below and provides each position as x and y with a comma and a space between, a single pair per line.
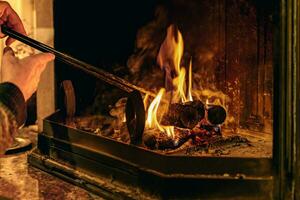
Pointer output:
9, 17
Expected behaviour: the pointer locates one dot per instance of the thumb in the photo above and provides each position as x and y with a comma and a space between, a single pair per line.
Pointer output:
41, 58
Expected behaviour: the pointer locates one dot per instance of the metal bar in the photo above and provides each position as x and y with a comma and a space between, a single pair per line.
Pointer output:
90, 69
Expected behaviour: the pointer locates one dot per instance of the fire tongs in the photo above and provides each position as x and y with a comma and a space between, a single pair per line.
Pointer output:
135, 112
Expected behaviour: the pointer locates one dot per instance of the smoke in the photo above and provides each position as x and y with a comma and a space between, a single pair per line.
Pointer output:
148, 42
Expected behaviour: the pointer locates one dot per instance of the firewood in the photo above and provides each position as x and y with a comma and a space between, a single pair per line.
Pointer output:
192, 113
185, 115
172, 117
189, 117
149, 139
216, 114
198, 105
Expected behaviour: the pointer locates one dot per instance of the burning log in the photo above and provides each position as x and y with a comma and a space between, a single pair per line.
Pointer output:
186, 115
216, 114
189, 114
192, 114
189, 117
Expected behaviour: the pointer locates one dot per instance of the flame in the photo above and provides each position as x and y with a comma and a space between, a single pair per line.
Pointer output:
171, 50
178, 81
124, 118
169, 58
179, 84
189, 97
145, 101
152, 121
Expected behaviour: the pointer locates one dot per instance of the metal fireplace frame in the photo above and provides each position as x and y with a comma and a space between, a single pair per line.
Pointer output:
119, 177
286, 148
137, 167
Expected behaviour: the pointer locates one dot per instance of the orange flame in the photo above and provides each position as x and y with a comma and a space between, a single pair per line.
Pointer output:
152, 120
145, 101
169, 58
190, 98
171, 50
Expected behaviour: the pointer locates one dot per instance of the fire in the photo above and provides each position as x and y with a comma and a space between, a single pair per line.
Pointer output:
145, 101
171, 50
178, 83
190, 98
169, 59
152, 120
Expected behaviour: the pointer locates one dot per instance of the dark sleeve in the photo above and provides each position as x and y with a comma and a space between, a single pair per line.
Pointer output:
12, 98
12, 114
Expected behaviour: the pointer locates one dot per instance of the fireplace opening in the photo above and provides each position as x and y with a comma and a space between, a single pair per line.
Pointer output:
211, 72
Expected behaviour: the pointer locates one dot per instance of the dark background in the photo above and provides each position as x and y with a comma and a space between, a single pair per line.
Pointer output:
230, 42
100, 33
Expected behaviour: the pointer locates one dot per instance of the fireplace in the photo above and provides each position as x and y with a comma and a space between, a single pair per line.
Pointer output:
189, 100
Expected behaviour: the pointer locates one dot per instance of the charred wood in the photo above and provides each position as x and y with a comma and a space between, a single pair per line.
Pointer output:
185, 115
216, 114
161, 141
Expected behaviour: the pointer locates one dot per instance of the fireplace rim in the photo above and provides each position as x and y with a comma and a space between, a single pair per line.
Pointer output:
91, 172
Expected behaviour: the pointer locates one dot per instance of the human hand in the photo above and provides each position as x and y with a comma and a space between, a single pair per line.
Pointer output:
24, 73
11, 19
